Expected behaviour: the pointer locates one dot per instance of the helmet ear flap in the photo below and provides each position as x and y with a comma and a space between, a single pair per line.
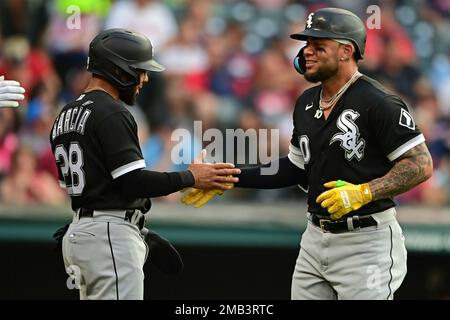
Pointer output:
300, 62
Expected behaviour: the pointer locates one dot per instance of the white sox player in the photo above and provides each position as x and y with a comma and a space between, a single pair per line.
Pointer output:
96, 148
354, 147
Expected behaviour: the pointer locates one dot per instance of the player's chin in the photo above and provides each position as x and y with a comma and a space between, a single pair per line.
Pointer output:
312, 76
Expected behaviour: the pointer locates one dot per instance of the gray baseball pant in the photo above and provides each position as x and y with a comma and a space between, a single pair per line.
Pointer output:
104, 257
366, 264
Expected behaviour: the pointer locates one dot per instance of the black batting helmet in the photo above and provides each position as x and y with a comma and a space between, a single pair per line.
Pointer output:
335, 23
118, 55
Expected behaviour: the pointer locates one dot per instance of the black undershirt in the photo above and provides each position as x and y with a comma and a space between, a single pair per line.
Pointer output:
148, 184
288, 175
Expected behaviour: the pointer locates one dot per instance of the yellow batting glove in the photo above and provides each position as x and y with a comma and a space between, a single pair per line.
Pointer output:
200, 197
192, 196
344, 197
210, 194
206, 196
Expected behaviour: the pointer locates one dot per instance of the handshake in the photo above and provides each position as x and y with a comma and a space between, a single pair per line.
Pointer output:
210, 180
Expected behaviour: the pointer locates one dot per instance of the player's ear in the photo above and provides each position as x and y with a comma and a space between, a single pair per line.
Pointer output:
347, 52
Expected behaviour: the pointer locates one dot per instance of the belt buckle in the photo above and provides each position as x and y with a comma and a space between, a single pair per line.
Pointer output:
322, 224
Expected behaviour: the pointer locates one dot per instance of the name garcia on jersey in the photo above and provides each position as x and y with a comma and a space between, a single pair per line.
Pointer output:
71, 120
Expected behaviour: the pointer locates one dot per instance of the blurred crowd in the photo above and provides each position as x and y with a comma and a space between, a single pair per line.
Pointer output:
229, 64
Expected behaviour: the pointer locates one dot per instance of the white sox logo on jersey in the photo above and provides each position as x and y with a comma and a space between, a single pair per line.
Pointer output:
349, 138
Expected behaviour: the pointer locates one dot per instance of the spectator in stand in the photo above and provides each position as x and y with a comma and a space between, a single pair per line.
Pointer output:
25, 186
187, 58
68, 36
8, 138
29, 66
38, 121
232, 70
151, 17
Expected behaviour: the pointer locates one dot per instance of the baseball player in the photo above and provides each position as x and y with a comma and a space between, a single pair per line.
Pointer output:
96, 148
10, 93
354, 147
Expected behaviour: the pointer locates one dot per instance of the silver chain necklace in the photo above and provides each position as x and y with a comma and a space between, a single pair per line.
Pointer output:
332, 101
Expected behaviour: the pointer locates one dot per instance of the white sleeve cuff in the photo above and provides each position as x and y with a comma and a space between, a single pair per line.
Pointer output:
139, 164
296, 157
406, 147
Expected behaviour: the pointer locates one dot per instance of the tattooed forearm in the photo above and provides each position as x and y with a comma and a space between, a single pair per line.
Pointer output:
414, 167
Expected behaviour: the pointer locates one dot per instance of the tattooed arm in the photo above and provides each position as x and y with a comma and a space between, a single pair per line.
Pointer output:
412, 168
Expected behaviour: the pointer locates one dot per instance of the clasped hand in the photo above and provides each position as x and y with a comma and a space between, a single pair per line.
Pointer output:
210, 180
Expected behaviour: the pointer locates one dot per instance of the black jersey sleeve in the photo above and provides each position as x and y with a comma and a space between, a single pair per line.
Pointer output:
394, 127
120, 144
148, 184
294, 139
295, 155
288, 174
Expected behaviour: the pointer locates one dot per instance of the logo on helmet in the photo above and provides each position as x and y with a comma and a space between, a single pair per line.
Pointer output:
309, 21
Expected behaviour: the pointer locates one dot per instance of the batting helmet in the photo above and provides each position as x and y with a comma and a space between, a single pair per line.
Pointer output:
118, 55
335, 23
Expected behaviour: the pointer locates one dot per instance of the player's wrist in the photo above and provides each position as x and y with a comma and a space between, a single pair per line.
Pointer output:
187, 179
366, 193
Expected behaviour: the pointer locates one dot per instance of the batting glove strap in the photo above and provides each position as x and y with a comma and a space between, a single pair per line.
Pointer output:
344, 197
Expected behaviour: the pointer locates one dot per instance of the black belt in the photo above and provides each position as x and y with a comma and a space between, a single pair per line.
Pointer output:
89, 213
343, 225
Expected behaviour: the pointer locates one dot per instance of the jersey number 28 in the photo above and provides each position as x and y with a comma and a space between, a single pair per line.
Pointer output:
71, 166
